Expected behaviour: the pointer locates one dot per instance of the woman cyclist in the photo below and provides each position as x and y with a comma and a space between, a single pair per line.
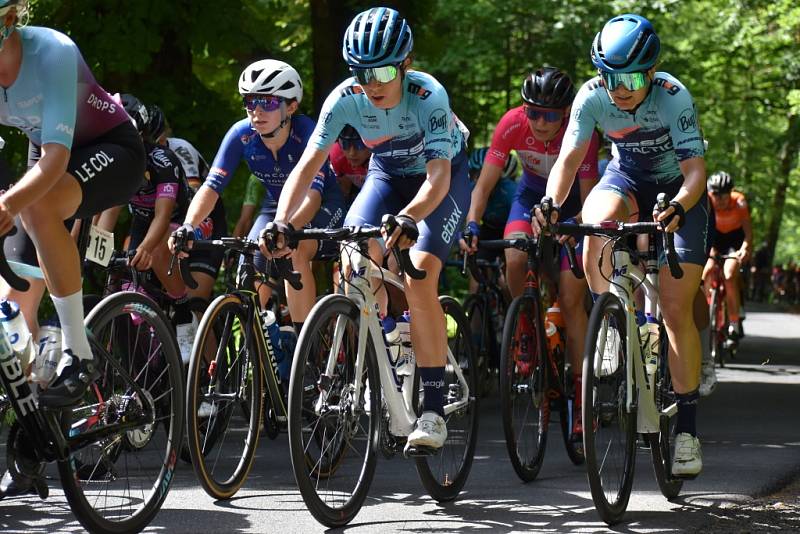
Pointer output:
349, 161
651, 118
418, 171
271, 140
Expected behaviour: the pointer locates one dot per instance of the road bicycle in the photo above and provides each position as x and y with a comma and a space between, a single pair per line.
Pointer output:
117, 448
722, 347
231, 364
349, 398
621, 397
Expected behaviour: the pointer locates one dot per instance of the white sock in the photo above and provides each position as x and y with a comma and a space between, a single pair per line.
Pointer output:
73, 333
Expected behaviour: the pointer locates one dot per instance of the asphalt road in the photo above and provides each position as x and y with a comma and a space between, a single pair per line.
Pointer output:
750, 430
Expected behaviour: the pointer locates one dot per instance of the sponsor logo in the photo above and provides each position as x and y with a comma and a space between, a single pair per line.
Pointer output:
160, 158
371, 118
671, 88
61, 127
100, 104
418, 90
15, 378
219, 171
687, 121
30, 102
96, 164
328, 117
451, 225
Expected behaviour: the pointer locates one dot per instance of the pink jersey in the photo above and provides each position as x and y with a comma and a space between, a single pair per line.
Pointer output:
513, 132
343, 170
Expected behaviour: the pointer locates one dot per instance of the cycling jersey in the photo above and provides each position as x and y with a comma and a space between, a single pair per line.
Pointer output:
242, 142
164, 178
513, 132
192, 161
402, 139
352, 177
652, 140
55, 98
734, 216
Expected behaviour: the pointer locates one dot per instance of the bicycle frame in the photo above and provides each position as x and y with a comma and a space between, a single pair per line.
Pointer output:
397, 392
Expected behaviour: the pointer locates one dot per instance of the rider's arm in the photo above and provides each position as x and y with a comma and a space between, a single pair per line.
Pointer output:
694, 182
562, 175
202, 204
307, 210
431, 192
157, 231
587, 172
490, 175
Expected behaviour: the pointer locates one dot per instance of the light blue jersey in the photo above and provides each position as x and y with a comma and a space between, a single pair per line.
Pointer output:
55, 98
651, 141
403, 139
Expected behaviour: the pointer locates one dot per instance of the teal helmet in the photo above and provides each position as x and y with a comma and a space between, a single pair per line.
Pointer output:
377, 37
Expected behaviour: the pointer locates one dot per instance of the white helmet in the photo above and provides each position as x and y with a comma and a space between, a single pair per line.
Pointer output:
271, 77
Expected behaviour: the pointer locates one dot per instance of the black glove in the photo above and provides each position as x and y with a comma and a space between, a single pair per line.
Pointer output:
407, 225
548, 207
678, 212
183, 234
274, 228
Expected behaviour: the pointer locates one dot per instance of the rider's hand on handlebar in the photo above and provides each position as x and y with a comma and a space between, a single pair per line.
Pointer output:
142, 260
403, 235
272, 240
180, 241
544, 214
469, 238
672, 218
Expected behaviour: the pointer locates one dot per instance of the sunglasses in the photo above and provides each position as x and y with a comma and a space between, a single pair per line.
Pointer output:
632, 81
380, 74
347, 144
267, 102
549, 115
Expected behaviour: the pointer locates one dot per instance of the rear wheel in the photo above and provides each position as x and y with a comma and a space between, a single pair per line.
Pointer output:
118, 483
483, 340
445, 473
567, 409
609, 428
524, 404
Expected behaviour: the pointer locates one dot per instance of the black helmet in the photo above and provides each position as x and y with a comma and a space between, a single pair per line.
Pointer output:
157, 124
548, 87
349, 133
720, 182
137, 111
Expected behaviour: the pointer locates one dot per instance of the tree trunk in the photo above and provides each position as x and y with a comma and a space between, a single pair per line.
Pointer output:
329, 20
788, 158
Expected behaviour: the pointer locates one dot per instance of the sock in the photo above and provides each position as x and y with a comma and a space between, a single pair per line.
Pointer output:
297, 328
73, 332
705, 346
432, 379
687, 412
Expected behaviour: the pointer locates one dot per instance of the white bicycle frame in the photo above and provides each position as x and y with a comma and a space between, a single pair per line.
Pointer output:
397, 391
625, 278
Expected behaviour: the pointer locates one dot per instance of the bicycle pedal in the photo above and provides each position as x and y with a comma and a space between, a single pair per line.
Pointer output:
420, 451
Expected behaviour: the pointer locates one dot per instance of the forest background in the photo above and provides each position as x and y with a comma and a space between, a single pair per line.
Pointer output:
739, 59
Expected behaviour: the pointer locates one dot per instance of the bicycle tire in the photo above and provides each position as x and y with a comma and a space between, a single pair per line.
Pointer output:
523, 387
152, 446
238, 376
610, 472
444, 479
574, 448
661, 443
309, 428
476, 310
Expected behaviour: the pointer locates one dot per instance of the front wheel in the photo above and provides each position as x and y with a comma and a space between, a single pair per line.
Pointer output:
118, 483
334, 412
445, 474
609, 426
662, 442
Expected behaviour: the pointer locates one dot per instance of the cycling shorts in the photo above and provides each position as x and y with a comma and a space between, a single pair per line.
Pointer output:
519, 218
209, 261
330, 215
640, 197
382, 194
730, 242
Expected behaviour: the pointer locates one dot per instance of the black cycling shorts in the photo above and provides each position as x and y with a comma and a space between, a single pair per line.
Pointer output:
209, 261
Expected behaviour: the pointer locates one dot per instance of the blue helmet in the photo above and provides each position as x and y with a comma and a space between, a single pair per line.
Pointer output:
627, 43
377, 37
476, 158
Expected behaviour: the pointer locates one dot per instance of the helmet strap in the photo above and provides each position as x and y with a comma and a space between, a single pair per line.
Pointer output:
284, 121
5, 33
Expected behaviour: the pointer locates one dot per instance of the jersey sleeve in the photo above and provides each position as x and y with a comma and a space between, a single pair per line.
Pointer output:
58, 75
167, 178
503, 139
589, 169
332, 118
254, 192
584, 115
681, 116
226, 161
437, 121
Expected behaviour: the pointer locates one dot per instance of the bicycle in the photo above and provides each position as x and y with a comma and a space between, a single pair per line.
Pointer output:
228, 371
531, 375
117, 449
348, 398
718, 312
620, 397
486, 311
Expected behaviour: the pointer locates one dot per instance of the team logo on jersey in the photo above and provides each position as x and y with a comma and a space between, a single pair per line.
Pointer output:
670, 87
352, 90
687, 121
418, 90
437, 122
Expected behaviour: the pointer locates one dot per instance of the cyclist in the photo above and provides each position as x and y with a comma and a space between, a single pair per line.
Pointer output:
271, 140
84, 156
536, 130
418, 171
733, 236
651, 119
349, 161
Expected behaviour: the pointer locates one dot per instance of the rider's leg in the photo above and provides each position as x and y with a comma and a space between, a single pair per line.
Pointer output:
731, 273
571, 298
516, 262
173, 284
301, 301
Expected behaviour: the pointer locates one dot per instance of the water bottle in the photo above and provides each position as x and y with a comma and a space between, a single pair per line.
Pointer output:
49, 354
553, 315
18, 334
185, 333
406, 360
651, 353
272, 331
552, 322
392, 335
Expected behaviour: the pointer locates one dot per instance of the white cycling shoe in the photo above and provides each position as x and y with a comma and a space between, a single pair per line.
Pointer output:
687, 461
708, 380
430, 432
